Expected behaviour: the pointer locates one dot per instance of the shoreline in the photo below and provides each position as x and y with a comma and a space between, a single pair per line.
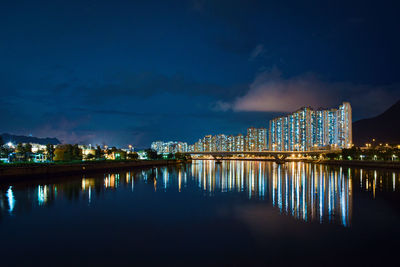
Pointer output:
15, 172
8, 173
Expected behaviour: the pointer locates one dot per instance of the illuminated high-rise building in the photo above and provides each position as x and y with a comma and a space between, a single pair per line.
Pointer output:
230, 143
198, 146
262, 139
157, 146
169, 147
208, 145
220, 142
308, 129
239, 143
256, 139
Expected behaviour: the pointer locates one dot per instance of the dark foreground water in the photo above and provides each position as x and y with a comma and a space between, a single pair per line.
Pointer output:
234, 213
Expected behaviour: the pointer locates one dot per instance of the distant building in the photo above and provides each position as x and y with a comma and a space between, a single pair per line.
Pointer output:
220, 142
169, 147
230, 143
239, 143
303, 130
256, 139
208, 143
157, 146
199, 146
308, 129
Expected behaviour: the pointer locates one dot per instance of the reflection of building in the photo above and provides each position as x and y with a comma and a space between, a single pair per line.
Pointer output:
307, 129
301, 190
305, 191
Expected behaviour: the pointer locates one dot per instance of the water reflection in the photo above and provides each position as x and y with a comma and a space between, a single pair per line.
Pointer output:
11, 201
306, 192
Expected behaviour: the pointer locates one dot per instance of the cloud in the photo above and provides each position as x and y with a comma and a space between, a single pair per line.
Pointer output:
257, 52
270, 92
221, 106
67, 130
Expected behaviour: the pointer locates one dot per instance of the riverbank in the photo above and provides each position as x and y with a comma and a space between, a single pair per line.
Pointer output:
32, 170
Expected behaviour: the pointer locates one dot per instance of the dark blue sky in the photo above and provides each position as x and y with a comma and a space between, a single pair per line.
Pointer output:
130, 72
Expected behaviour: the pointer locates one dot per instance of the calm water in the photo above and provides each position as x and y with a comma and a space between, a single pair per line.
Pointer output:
234, 213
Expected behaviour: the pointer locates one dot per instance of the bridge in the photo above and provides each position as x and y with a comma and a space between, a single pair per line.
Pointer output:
279, 156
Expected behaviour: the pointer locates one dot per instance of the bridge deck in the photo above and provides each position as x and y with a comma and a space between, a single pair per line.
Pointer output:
266, 153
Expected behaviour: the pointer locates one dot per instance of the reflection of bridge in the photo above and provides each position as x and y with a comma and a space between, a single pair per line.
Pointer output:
279, 156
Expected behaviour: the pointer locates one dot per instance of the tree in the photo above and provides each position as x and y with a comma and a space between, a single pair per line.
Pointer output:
120, 154
20, 148
23, 151
179, 156
4, 151
50, 152
27, 148
331, 156
112, 150
68, 156
99, 154
1, 141
67, 153
62, 153
133, 156
90, 156
76, 152
151, 154
170, 156
59, 154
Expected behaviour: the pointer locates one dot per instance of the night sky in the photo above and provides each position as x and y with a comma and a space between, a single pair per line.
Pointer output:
127, 72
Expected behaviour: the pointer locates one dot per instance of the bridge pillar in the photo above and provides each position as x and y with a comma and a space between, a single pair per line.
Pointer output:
280, 158
218, 159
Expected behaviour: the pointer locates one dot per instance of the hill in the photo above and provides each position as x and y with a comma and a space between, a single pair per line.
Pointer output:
28, 139
384, 128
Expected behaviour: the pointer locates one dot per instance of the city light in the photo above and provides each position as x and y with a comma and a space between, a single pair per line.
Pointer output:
11, 199
303, 130
306, 129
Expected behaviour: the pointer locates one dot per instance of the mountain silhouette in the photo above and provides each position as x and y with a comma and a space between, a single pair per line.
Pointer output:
384, 128
28, 139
